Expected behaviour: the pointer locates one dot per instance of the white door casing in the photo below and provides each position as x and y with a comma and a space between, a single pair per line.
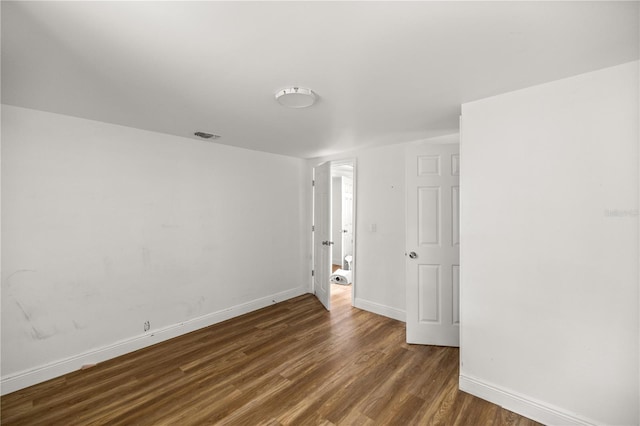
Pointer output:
336, 219
322, 233
433, 244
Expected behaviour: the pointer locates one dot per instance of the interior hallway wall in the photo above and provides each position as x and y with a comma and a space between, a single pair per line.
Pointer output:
549, 250
106, 227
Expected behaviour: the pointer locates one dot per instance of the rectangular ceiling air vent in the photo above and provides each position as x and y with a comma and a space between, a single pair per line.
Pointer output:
204, 135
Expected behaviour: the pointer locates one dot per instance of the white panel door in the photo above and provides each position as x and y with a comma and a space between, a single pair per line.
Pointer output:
322, 233
433, 244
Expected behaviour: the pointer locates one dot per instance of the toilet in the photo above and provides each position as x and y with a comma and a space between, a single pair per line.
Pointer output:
348, 259
343, 276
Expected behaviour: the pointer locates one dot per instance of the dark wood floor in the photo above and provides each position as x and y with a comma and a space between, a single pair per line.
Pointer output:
291, 363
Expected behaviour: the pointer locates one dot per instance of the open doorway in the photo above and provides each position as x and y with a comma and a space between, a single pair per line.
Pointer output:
333, 241
342, 232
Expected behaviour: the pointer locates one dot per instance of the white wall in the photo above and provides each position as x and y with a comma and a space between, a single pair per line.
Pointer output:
380, 199
549, 250
105, 227
379, 255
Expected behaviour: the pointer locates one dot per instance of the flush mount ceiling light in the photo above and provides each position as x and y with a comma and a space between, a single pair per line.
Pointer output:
296, 97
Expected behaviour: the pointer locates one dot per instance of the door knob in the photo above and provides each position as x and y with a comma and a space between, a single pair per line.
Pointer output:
413, 255
327, 243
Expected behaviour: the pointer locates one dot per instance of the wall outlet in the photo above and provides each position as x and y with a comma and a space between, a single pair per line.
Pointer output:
147, 325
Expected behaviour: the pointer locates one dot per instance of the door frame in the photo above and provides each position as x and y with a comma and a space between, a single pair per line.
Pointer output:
337, 162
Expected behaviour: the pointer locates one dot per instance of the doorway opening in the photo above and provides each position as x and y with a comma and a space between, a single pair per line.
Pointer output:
342, 232
333, 232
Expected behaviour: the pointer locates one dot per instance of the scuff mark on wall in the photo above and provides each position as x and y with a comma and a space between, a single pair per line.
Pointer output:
78, 326
201, 300
39, 335
24, 312
35, 332
22, 292
19, 271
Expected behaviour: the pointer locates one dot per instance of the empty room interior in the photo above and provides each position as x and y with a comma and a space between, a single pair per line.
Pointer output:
287, 213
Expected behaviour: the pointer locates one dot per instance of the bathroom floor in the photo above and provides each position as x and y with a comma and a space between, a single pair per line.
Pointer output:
340, 294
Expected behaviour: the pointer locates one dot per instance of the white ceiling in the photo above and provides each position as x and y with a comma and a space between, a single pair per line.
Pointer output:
385, 72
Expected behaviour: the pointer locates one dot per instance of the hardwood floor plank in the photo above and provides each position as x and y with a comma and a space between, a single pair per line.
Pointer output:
389, 392
401, 410
292, 363
341, 402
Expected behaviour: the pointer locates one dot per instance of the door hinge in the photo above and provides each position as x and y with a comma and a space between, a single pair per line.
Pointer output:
313, 228
313, 183
313, 273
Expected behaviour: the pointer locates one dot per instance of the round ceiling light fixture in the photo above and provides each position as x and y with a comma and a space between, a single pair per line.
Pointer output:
296, 97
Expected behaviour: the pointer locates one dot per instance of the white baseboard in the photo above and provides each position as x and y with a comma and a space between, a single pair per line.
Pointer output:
23, 379
379, 309
521, 404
